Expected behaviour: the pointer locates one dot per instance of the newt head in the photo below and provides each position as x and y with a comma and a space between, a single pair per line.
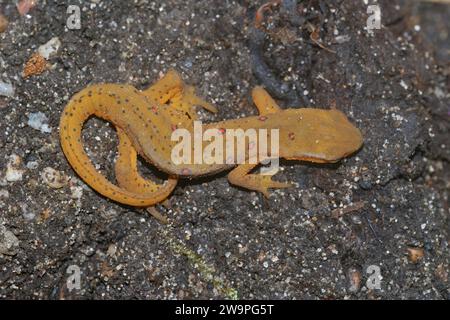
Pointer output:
317, 135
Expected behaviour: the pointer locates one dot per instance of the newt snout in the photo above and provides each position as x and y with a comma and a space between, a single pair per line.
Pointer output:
320, 135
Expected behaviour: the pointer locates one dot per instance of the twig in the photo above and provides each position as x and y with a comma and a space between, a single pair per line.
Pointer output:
339, 212
157, 215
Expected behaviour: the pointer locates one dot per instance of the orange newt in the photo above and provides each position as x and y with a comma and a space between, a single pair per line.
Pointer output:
146, 119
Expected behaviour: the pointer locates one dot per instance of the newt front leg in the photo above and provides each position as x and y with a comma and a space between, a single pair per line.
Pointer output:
264, 102
242, 177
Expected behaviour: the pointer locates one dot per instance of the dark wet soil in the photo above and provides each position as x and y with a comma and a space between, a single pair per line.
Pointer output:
386, 207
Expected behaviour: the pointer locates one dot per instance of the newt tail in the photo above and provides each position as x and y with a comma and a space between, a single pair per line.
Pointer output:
77, 111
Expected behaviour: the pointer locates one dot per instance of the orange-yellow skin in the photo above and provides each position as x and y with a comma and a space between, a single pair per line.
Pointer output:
146, 119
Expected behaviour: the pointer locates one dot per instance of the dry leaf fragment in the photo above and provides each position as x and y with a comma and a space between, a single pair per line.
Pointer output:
415, 254
24, 6
36, 65
339, 212
45, 215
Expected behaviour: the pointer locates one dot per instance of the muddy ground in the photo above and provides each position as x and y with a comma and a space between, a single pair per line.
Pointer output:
386, 207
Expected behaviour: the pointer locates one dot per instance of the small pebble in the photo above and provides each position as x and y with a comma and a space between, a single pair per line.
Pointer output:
76, 192
27, 213
32, 165
13, 171
53, 178
50, 48
442, 272
4, 193
342, 39
9, 243
3, 23
39, 121
112, 249
365, 184
354, 278
356, 219
6, 89
88, 252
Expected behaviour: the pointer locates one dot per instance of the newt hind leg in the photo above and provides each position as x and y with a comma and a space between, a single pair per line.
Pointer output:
128, 177
165, 88
186, 100
171, 90
241, 176
127, 174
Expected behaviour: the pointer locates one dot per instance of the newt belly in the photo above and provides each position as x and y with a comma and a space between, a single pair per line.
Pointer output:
145, 121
